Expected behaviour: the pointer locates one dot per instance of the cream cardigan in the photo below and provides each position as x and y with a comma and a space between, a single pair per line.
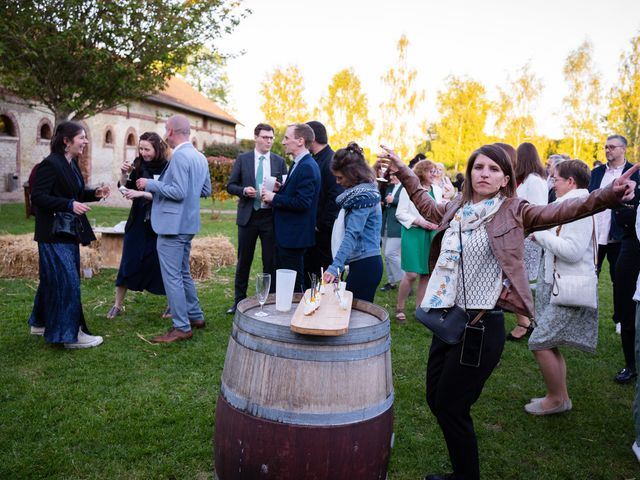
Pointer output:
407, 212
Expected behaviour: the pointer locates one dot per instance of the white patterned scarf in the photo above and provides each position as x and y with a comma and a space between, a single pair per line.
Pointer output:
443, 284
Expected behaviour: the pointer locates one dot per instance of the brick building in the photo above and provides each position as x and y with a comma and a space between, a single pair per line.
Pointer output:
25, 132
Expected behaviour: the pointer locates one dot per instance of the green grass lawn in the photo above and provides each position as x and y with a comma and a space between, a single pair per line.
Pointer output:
135, 411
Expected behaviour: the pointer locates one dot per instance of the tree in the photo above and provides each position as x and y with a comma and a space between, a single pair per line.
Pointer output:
399, 122
283, 102
79, 57
582, 103
624, 114
205, 71
514, 109
345, 110
463, 109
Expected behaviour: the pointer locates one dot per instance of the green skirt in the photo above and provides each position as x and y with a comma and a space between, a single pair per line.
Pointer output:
415, 247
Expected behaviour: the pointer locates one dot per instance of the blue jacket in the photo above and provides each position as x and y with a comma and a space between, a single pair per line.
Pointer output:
295, 206
361, 236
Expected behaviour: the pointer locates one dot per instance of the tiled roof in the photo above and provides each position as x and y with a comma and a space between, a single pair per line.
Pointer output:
178, 93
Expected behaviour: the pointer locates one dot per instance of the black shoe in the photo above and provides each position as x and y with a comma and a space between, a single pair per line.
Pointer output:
387, 287
232, 310
527, 334
625, 376
441, 476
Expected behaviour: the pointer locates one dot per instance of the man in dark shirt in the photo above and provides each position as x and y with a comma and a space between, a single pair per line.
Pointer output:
319, 256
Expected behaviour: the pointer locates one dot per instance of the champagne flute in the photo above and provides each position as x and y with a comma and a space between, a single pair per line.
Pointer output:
263, 284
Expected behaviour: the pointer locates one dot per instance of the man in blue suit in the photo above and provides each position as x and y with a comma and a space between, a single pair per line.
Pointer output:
296, 202
175, 217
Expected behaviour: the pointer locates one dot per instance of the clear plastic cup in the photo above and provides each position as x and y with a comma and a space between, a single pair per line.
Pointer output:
285, 284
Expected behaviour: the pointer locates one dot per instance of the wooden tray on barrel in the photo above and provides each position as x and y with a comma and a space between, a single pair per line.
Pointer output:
329, 320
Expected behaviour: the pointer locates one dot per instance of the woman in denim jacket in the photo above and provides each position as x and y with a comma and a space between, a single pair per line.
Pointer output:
362, 217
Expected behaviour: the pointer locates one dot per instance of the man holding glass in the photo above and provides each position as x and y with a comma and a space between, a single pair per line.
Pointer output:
254, 218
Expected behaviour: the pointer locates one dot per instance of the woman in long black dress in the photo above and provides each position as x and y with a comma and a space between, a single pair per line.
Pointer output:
139, 266
59, 189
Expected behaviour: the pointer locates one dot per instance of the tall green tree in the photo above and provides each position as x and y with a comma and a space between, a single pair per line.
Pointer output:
400, 125
624, 113
583, 102
345, 110
463, 109
206, 72
79, 57
515, 106
282, 93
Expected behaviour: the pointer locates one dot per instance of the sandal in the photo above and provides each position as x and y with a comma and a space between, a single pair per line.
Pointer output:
167, 312
114, 312
401, 317
527, 333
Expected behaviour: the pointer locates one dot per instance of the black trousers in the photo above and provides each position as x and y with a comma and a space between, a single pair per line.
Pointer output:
260, 226
292, 259
364, 277
611, 252
318, 256
453, 388
627, 270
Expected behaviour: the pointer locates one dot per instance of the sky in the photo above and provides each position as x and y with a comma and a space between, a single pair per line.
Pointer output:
486, 40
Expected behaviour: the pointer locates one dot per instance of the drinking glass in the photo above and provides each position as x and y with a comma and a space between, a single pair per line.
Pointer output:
263, 284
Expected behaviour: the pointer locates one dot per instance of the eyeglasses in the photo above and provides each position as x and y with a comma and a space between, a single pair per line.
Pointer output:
612, 147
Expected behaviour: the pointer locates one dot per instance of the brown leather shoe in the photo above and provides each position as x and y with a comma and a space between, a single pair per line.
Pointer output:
197, 323
173, 335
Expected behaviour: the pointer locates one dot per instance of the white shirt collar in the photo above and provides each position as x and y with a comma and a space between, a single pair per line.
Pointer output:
180, 145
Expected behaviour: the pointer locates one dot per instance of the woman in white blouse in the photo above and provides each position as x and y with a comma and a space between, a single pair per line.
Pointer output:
532, 187
569, 250
443, 181
416, 233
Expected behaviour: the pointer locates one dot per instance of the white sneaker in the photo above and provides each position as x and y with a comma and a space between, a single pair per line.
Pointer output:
37, 331
636, 450
618, 328
84, 341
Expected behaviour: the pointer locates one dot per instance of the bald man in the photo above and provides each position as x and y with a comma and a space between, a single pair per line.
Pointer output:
175, 217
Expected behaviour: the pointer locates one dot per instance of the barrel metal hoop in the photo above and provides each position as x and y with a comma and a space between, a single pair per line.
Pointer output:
284, 334
298, 418
250, 342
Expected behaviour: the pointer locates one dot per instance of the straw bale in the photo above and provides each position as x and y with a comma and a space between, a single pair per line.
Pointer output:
210, 252
19, 257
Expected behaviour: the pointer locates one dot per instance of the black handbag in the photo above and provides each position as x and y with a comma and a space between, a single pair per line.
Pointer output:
66, 225
448, 323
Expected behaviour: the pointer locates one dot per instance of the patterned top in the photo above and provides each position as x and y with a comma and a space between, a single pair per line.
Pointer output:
482, 272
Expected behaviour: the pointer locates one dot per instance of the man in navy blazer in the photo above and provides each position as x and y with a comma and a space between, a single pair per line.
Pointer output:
175, 217
296, 202
254, 218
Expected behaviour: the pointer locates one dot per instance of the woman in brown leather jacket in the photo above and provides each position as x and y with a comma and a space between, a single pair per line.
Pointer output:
491, 223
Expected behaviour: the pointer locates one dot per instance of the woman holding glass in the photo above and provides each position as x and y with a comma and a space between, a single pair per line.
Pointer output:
487, 224
139, 267
416, 234
362, 218
59, 188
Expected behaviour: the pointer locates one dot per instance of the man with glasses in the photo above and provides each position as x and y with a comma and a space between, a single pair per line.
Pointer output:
254, 218
612, 228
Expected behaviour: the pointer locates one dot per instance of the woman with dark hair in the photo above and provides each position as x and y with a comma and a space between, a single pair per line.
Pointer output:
139, 266
59, 189
568, 250
477, 263
532, 187
415, 237
361, 215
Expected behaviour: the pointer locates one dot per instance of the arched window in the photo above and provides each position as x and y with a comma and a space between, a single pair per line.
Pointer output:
131, 140
7, 128
45, 132
194, 142
108, 137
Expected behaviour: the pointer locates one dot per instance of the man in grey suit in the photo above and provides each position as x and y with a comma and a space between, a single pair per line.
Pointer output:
175, 217
254, 218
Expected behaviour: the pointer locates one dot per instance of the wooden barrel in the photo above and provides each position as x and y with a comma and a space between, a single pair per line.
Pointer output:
295, 407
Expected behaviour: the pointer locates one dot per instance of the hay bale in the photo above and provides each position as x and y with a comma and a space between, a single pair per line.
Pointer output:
210, 252
19, 257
